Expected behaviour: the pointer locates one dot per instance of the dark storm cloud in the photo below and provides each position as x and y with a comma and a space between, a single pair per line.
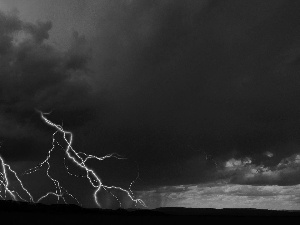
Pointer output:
219, 76
35, 75
175, 79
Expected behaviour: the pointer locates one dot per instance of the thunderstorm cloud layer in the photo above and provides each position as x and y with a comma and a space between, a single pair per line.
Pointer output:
193, 93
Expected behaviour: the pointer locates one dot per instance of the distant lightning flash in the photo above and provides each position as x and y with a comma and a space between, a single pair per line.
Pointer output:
207, 157
79, 158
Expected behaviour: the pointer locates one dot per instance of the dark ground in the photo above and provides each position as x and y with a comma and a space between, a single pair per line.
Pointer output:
26, 213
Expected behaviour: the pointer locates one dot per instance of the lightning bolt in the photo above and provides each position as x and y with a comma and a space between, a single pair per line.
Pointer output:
4, 183
78, 158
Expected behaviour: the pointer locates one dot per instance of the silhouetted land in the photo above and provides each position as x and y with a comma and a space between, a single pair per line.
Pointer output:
27, 213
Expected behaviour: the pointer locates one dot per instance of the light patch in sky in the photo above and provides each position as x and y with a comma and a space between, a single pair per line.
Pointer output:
67, 16
223, 195
269, 154
232, 163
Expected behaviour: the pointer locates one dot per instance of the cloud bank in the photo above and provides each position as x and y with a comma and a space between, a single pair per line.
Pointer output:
36, 75
165, 82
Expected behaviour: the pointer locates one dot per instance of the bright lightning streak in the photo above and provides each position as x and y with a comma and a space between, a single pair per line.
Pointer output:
4, 183
79, 158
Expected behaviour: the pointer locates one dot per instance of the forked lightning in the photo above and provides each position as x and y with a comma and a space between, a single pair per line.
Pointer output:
78, 158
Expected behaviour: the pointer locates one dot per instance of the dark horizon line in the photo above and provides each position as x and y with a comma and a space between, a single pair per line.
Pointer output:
167, 210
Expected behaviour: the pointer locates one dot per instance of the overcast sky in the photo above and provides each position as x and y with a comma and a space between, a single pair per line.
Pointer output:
196, 94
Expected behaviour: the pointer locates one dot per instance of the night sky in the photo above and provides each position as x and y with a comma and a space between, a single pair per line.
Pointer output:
201, 96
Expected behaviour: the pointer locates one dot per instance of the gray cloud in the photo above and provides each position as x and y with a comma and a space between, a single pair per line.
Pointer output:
206, 74
223, 195
244, 171
36, 75
166, 78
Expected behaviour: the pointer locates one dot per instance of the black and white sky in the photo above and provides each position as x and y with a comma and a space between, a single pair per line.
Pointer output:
201, 96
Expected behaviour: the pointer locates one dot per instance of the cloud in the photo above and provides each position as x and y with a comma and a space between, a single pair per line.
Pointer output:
269, 154
36, 75
223, 195
205, 74
164, 78
243, 171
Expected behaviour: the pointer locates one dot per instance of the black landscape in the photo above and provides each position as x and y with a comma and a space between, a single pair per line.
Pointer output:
28, 213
